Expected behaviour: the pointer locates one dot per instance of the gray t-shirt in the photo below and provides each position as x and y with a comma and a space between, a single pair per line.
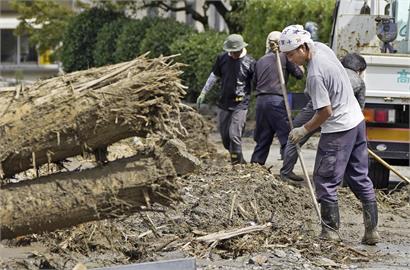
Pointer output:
327, 83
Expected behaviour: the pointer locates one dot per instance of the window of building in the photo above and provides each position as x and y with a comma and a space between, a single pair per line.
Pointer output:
28, 53
16, 49
8, 46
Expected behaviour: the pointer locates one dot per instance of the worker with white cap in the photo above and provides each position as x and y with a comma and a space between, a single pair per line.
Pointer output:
271, 116
342, 148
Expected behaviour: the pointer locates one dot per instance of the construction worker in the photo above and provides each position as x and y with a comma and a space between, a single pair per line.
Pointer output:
342, 148
290, 154
235, 69
355, 65
271, 116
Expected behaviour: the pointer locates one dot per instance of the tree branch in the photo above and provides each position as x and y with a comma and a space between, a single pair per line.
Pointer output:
219, 6
187, 8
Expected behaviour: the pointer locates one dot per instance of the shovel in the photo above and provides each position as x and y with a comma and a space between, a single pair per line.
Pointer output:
385, 164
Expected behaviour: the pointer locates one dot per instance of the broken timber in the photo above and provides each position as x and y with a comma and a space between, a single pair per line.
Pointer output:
222, 235
65, 199
85, 110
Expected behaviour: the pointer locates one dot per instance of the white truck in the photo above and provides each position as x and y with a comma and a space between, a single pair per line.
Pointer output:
379, 30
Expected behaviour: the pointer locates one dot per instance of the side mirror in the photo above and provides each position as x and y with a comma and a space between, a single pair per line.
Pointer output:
386, 29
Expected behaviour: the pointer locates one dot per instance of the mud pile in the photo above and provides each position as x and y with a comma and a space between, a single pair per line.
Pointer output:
217, 198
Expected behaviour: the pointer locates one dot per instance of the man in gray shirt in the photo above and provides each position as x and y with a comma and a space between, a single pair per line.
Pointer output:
342, 148
355, 66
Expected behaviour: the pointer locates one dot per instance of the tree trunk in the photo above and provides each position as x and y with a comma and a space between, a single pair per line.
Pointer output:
66, 199
82, 111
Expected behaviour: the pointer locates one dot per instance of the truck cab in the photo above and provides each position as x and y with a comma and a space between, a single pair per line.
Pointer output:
379, 31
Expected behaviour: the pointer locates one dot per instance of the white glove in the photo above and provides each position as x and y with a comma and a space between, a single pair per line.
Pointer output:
297, 134
200, 99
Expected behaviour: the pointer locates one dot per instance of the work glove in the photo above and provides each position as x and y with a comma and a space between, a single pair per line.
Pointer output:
200, 100
297, 134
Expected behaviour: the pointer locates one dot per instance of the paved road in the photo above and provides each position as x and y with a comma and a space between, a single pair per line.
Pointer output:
308, 153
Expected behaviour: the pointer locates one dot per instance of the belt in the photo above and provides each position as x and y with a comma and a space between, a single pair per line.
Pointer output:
269, 94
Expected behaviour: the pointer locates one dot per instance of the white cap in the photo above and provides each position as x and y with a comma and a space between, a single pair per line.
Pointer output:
272, 37
292, 37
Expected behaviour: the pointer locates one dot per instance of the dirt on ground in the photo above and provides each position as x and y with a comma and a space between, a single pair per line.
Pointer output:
226, 199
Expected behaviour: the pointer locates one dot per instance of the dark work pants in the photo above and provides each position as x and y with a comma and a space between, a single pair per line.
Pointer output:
271, 118
290, 152
343, 153
231, 125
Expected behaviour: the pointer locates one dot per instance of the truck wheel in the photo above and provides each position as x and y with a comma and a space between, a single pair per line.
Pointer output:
378, 174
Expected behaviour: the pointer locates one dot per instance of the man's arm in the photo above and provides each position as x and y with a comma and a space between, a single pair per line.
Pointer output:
209, 83
319, 118
207, 87
360, 94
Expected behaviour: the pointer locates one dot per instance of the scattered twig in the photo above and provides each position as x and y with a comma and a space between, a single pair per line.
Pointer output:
357, 251
146, 198
232, 205
255, 210
150, 224
222, 235
212, 246
243, 212
141, 235
161, 247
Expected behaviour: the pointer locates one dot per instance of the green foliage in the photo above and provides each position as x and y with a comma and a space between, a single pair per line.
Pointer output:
160, 36
52, 16
199, 51
129, 40
107, 42
267, 16
81, 36
236, 18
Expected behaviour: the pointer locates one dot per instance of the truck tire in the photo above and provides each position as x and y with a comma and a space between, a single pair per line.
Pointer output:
378, 174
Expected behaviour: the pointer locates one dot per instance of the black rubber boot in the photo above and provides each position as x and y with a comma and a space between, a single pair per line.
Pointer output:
237, 158
370, 218
330, 221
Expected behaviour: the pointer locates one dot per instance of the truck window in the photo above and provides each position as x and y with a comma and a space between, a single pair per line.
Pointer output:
401, 14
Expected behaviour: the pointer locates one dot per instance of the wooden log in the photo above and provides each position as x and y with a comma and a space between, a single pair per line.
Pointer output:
85, 110
65, 199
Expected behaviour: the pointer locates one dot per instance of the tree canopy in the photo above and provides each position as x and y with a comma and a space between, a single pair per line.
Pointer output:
266, 16
43, 21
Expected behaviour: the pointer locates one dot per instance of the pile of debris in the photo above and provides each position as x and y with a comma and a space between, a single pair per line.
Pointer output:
86, 110
83, 112
228, 215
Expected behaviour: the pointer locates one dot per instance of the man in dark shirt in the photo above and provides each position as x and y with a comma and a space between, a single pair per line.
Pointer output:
355, 65
235, 70
271, 116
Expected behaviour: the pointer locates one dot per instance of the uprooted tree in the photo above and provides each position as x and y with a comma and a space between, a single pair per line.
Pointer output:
82, 111
139, 183
67, 115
